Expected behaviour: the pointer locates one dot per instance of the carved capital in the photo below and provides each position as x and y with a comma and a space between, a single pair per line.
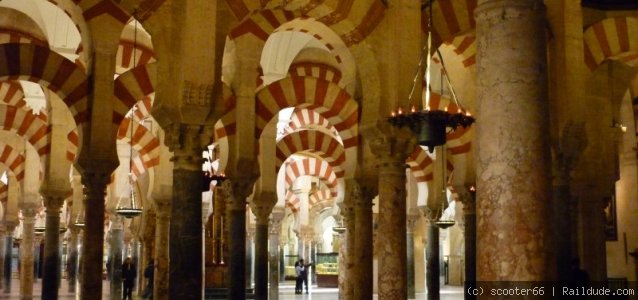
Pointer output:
346, 210
411, 221
197, 102
392, 145
242, 179
274, 226
29, 210
162, 207
185, 142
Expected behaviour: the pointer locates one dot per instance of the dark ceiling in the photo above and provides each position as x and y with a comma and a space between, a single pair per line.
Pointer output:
611, 4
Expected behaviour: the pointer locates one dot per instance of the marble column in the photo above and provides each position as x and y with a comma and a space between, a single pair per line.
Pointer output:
117, 250
362, 197
29, 211
273, 255
262, 213
72, 259
8, 256
185, 242
469, 232
250, 243
432, 260
162, 224
92, 255
411, 222
513, 157
53, 201
3, 238
348, 265
238, 189
392, 146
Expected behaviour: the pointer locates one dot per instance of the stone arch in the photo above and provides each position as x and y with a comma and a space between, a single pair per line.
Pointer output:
315, 142
450, 18
612, 38
131, 87
144, 142
135, 48
13, 160
309, 119
27, 125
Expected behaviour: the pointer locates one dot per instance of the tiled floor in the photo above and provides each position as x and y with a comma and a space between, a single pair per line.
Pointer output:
286, 292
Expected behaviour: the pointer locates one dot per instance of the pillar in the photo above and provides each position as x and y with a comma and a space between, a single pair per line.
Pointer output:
3, 237
262, 211
185, 242
117, 250
8, 255
95, 181
411, 222
250, 243
362, 197
347, 267
469, 232
273, 255
72, 259
238, 189
432, 258
512, 88
391, 146
162, 224
53, 200
29, 211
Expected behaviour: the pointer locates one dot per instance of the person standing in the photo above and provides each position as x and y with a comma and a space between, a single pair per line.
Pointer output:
129, 272
149, 273
304, 276
299, 272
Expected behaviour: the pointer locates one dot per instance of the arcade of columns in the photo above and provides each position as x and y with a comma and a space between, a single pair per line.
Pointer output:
154, 83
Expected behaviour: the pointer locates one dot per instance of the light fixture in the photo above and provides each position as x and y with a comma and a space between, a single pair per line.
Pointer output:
430, 125
209, 174
130, 211
79, 220
339, 228
440, 222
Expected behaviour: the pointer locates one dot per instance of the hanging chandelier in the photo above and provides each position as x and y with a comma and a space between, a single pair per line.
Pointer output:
133, 210
430, 125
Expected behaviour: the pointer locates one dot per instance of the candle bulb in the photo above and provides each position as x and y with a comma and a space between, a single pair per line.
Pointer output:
393, 114
413, 108
400, 111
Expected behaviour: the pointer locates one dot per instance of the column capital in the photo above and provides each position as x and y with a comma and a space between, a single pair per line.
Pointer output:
346, 210
185, 141
392, 145
162, 207
490, 9
54, 192
238, 188
251, 230
262, 206
29, 210
306, 233
411, 220
274, 226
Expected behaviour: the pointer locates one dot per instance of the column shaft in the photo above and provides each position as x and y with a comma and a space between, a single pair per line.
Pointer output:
117, 250
432, 267
26, 254
363, 248
350, 251
3, 239
513, 157
392, 247
185, 240
72, 260
93, 237
261, 260
8, 261
274, 263
470, 244
410, 255
237, 248
51, 269
161, 278
249, 257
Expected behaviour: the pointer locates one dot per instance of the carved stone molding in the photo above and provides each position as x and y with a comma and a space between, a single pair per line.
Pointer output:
392, 145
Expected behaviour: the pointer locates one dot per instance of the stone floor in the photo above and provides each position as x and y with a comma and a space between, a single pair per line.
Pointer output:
286, 292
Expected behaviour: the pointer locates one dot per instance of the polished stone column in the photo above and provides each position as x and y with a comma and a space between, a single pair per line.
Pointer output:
432, 259
53, 200
348, 266
250, 240
411, 222
392, 146
262, 213
29, 211
469, 232
362, 196
72, 259
238, 189
92, 255
513, 157
162, 224
3, 238
185, 242
8, 255
273, 255
117, 249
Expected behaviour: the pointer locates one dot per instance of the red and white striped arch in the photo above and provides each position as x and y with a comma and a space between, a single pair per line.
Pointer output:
49, 69
291, 201
12, 159
352, 20
144, 142
465, 45
326, 98
311, 167
312, 141
308, 119
320, 196
611, 38
12, 35
131, 87
12, 94
130, 55
450, 18
27, 125
4, 192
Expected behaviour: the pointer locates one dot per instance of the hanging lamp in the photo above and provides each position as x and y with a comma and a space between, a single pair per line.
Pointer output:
430, 125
